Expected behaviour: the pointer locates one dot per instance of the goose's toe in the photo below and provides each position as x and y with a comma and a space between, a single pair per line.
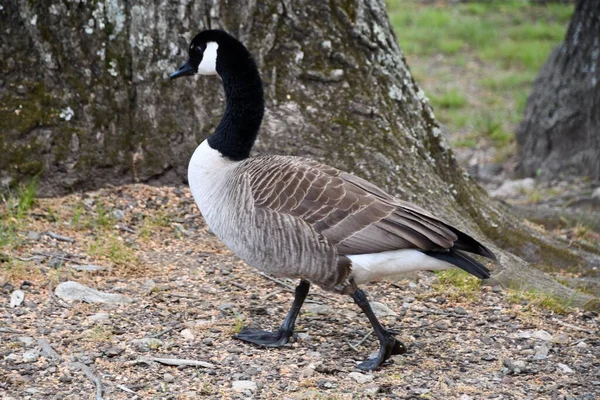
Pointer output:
392, 346
264, 338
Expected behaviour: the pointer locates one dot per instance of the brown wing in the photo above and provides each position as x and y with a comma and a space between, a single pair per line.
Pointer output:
353, 214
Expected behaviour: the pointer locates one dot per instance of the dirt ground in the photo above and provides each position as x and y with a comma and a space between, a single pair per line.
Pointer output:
189, 295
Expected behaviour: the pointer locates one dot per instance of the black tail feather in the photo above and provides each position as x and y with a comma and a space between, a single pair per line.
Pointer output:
467, 243
462, 261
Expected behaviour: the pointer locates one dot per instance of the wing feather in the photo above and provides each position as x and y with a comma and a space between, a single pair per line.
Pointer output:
351, 213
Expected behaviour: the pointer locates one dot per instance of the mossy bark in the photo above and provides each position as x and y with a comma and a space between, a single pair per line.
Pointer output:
338, 89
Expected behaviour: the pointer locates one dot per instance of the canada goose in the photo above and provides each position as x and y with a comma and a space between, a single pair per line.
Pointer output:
298, 218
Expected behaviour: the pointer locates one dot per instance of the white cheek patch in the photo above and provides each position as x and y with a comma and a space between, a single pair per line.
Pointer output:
208, 65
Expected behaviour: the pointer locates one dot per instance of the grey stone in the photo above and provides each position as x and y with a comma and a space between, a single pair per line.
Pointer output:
242, 386
148, 343
541, 352
564, 368
118, 214
542, 335
33, 235
226, 306
31, 355
75, 291
381, 310
308, 371
168, 378
514, 367
441, 325
26, 340
360, 377
372, 390
512, 189
101, 316
561, 338
12, 357
320, 309
113, 351
16, 298
520, 335
188, 334
89, 268
149, 284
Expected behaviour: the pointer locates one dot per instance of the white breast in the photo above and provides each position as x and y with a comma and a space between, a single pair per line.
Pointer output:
208, 173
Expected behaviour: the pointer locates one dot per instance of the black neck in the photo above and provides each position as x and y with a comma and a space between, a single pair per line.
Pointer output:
238, 129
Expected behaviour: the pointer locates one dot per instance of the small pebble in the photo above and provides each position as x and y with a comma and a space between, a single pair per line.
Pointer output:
542, 335
16, 298
26, 340
113, 351
360, 377
32, 235
372, 390
564, 368
188, 334
31, 356
101, 316
541, 352
441, 325
241, 386
168, 378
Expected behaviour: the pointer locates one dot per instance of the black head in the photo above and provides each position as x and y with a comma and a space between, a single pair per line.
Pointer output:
209, 52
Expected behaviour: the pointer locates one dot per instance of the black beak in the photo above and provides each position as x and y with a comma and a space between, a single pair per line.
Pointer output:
185, 70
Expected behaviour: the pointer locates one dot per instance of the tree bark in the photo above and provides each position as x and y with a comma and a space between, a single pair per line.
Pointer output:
560, 132
337, 88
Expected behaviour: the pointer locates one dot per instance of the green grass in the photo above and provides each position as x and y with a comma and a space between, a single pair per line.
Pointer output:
456, 284
14, 206
538, 300
451, 98
477, 61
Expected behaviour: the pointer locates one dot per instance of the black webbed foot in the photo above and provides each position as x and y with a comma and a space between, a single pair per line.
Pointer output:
285, 331
390, 347
264, 338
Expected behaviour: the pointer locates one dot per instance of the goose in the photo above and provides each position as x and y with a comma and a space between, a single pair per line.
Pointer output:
299, 218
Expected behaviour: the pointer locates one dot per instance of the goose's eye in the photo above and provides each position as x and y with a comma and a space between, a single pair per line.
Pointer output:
198, 49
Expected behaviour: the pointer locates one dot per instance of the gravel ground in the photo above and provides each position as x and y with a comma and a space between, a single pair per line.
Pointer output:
188, 295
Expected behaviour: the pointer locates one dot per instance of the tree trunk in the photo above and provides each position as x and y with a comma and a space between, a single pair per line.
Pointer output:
337, 88
560, 133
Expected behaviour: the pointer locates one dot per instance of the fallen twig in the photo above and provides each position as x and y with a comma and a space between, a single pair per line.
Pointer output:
575, 327
164, 331
59, 237
269, 295
59, 256
290, 288
124, 388
238, 285
91, 376
355, 347
174, 361
5, 329
280, 282
125, 228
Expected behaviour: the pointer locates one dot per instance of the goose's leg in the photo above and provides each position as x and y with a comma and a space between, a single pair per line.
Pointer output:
286, 330
389, 345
